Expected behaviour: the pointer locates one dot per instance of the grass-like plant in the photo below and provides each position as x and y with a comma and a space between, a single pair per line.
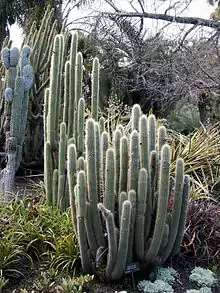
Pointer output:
200, 151
31, 230
3, 281
11, 258
65, 254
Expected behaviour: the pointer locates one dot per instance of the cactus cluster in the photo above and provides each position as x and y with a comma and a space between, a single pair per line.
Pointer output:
19, 79
64, 112
118, 186
132, 196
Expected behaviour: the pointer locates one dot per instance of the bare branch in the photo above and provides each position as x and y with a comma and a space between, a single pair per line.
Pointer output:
175, 19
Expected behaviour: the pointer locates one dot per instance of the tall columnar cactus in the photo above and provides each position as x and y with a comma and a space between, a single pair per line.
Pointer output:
118, 189
19, 76
136, 217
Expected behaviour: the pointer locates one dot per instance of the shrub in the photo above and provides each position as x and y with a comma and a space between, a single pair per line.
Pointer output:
202, 235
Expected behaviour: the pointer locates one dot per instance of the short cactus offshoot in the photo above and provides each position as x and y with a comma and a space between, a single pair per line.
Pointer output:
119, 191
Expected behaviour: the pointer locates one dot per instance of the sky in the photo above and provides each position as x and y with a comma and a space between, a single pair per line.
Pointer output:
198, 8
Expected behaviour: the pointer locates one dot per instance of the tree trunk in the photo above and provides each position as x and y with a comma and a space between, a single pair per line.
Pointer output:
3, 31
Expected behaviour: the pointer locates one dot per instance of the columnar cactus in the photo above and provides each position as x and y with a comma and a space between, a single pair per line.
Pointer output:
19, 76
146, 231
119, 189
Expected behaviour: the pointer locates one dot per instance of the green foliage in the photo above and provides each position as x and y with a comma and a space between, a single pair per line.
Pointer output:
158, 286
166, 274
201, 154
202, 277
3, 281
34, 231
73, 285
11, 255
202, 290
43, 284
65, 254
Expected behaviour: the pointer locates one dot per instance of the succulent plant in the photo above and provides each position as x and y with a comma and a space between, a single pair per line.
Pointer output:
119, 189
19, 79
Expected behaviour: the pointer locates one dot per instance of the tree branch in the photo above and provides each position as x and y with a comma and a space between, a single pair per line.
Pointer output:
178, 19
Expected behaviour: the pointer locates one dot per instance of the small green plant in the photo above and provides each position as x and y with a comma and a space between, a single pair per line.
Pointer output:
166, 274
44, 284
3, 282
158, 286
10, 257
65, 253
203, 277
74, 285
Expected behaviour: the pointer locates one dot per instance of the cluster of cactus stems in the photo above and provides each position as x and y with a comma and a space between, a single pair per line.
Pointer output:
40, 40
19, 79
118, 189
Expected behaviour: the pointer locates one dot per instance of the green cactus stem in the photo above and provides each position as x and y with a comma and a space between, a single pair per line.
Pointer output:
112, 240
123, 241
80, 164
139, 241
109, 196
102, 124
81, 215
62, 166
103, 149
89, 228
123, 164
183, 214
144, 156
71, 174
90, 144
116, 143
48, 173
72, 101
55, 186
135, 117
95, 88
52, 111
176, 212
134, 161
132, 199
80, 127
78, 96
46, 100
163, 195
162, 137
97, 142
164, 240
122, 197
151, 133
66, 92
121, 129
